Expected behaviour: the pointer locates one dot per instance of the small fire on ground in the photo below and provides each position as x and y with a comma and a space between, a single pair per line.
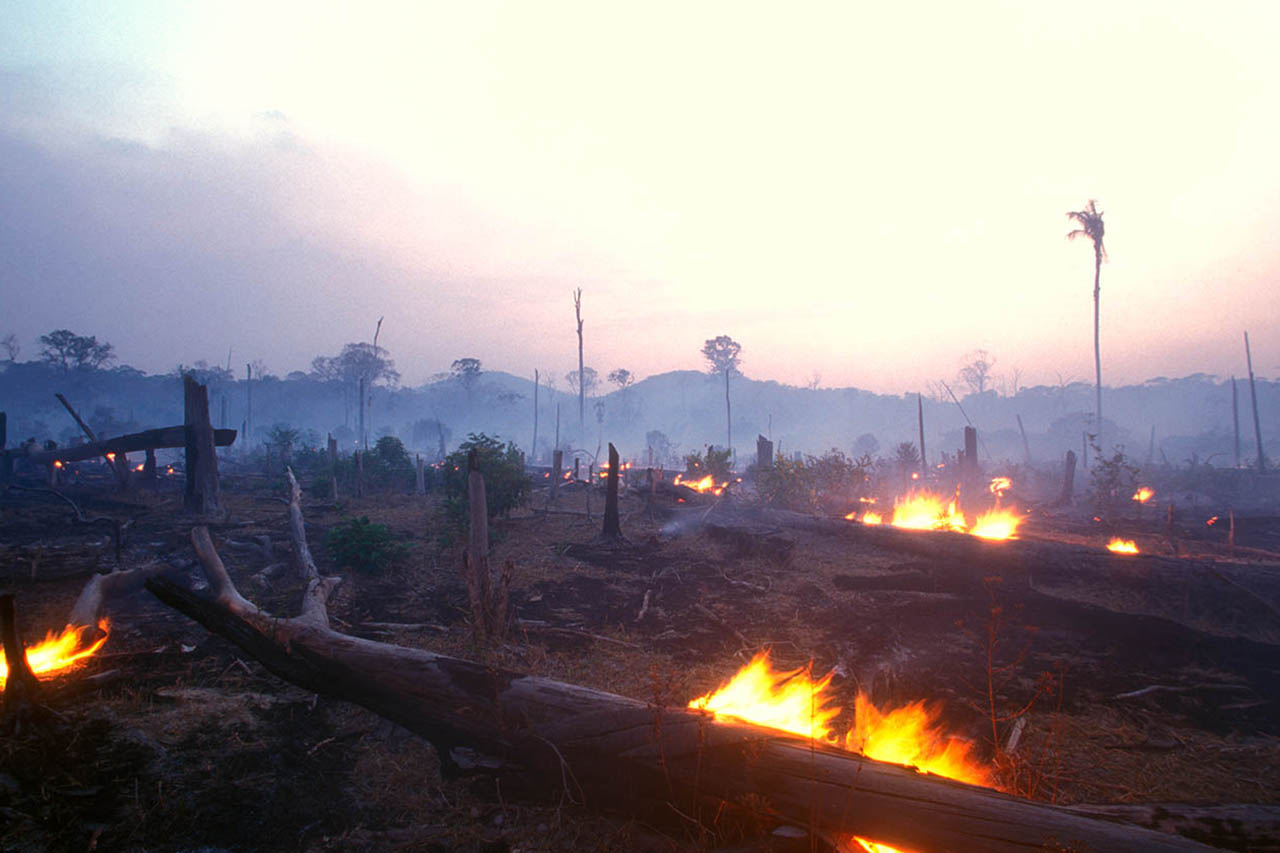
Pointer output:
925, 510
58, 651
1122, 546
796, 702
1144, 494
706, 484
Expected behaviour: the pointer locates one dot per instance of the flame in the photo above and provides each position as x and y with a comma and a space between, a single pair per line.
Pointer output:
138, 467
57, 463
1122, 546
796, 702
926, 511
706, 484
852, 516
1211, 522
999, 486
1144, 494
872, 518
996, 524
790, 701
866, 500
58, 651
111, 457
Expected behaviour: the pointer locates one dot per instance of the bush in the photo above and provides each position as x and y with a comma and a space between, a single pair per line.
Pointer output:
363, 546
832, 482
1115, 479
716, 463
505, 484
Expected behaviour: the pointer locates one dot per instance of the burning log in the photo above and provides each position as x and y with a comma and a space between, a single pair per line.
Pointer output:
611, 750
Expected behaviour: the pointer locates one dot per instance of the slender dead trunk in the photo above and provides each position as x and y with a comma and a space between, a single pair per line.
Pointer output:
1097, 348
924, 462
1235, 417
533, 448
1026, 446
728, 414
1253, 397
582, 388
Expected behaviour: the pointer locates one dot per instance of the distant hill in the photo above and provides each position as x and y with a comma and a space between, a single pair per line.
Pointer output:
1191, 416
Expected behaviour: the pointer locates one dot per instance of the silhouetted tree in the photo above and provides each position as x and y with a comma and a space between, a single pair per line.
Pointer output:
723, 354
621, 377
977, 370
466, 371
583, 382
11, 346
1090, 221
66, 350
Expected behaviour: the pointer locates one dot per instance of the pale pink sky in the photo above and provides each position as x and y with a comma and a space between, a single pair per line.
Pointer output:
861, 191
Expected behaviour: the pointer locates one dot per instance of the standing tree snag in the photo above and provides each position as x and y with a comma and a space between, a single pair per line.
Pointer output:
582, 394
612, 526
723, 354
202, 492
488, 591
1090, 220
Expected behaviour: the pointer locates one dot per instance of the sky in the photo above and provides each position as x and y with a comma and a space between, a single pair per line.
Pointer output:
860, 194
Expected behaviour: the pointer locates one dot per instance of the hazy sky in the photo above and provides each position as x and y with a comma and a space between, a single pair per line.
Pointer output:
865, 191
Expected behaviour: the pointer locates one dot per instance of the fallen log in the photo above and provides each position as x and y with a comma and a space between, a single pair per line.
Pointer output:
156, 439
610, 750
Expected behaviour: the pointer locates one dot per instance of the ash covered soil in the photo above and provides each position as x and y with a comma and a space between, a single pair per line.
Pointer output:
191, 745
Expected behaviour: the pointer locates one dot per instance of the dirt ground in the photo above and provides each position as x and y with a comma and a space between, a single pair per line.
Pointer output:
192, 746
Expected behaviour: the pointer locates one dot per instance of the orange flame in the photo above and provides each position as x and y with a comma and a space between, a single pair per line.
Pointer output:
58, 651
926, 511
872, 518
1122, 546
796, 702
999, 486
706, 484
1144, 494
852, 516
996, 524
1211, 522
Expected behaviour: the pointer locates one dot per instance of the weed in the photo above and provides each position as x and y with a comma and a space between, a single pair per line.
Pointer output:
366, 547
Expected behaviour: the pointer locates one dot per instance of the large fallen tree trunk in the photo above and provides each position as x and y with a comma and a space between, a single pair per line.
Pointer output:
610, 750
167, 437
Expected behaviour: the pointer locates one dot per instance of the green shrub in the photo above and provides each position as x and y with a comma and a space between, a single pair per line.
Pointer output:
1114, 478
363, 546
716, 463
506, 486
832, 482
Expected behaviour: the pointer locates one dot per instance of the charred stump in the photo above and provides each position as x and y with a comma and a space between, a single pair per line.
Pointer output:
21, 687
612, 526
202, 496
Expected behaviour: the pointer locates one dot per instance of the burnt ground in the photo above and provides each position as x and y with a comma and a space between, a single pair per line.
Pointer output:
193, 746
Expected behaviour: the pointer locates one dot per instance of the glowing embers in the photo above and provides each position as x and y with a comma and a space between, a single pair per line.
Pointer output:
1144, 494
798, 703
1122, 546
59, 651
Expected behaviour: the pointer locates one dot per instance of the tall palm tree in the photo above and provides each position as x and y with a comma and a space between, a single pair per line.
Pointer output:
1090, 221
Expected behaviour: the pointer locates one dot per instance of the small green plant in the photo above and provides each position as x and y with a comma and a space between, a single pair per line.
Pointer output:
506, 485
716, 463
1114, 478
363, 546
